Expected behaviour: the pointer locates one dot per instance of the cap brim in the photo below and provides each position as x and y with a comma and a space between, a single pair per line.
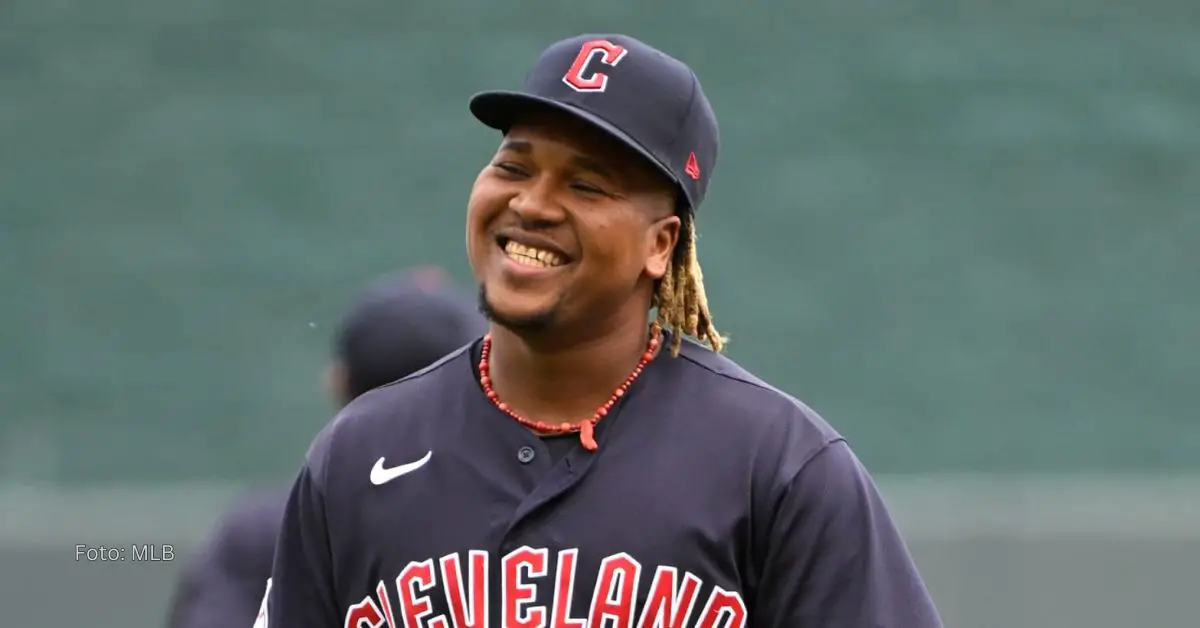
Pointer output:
500, 109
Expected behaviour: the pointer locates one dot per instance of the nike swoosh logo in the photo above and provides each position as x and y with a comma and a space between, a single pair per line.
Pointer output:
382, 475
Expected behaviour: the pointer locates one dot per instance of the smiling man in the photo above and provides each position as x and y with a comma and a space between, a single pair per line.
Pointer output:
583, 464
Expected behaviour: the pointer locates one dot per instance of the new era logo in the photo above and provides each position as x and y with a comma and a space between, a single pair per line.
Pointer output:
693, 167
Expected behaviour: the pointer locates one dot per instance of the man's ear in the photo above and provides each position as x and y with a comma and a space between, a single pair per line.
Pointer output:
660, 245
337, 384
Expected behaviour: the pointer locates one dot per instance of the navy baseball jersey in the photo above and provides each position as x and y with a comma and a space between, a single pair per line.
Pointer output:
712, 500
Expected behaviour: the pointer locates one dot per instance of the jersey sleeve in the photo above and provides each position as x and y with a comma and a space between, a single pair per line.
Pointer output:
833, 556
300, 593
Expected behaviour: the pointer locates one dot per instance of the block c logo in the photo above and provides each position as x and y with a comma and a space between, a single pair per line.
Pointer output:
608, 53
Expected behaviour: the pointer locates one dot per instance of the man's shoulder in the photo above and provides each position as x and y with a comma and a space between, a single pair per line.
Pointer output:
442, 381
243, 540
257, 506
398, 410
729, 391
778, 434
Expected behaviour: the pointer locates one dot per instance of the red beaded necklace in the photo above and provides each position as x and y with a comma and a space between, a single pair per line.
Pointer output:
586, 429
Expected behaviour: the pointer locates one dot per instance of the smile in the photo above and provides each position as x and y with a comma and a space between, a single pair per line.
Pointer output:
531, 256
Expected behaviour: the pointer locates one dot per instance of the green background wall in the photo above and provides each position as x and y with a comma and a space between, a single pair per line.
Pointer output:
962, 233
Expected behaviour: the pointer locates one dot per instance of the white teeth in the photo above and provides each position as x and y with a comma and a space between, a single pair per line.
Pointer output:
530, 256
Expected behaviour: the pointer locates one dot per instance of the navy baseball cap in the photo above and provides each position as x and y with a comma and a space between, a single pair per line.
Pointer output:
399, 325
641, 96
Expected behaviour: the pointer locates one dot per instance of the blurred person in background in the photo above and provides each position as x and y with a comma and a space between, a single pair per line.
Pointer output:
399, 325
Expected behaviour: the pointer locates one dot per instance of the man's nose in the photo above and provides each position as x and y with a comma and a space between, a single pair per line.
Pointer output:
537, 204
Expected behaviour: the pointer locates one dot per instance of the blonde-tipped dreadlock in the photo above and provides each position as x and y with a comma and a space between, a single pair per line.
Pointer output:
682, 305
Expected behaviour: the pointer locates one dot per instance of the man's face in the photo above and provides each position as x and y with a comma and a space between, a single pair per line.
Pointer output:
566, 224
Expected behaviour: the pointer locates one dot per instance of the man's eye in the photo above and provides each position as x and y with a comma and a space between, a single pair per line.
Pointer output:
510, 168
586, 188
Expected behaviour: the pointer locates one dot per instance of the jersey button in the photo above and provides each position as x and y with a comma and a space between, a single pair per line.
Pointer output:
526, 454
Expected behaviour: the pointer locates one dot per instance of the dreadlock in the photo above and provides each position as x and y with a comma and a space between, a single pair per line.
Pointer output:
679, 296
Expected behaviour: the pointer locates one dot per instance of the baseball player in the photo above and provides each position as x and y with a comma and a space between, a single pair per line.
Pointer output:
593, 461
400, 325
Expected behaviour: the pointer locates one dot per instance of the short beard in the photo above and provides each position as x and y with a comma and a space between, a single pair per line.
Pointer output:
527, 325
